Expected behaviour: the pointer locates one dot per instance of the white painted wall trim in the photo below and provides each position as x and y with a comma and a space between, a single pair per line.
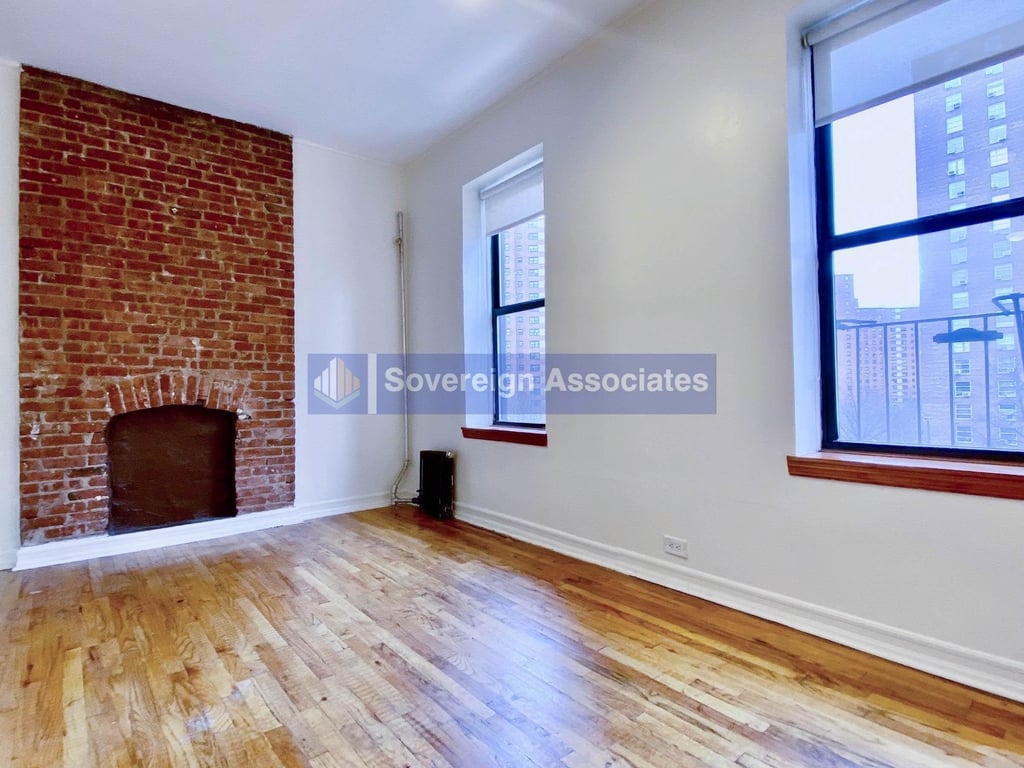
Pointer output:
10, 416
76, 550
987, 672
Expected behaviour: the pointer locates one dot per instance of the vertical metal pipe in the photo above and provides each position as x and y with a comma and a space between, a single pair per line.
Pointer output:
885, 381
988, 390
400, 246
917, 378
952, 387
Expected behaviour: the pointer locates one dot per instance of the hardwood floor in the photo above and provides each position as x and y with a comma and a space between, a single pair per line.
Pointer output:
388, 639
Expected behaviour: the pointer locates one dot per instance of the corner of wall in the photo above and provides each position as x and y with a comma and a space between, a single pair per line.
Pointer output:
10, 96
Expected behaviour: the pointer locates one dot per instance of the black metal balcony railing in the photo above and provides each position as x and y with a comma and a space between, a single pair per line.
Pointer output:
942, 382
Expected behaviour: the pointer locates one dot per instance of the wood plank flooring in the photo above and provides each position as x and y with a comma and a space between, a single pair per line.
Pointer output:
386, 638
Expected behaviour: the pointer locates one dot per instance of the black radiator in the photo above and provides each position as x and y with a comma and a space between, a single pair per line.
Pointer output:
437, 483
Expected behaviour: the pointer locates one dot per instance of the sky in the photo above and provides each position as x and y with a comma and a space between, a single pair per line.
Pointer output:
875, 171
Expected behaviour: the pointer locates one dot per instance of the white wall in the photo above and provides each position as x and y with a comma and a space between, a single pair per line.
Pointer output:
346, 301
665, 149
10, 94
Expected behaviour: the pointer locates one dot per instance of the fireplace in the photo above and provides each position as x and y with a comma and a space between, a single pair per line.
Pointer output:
170, 465
157, 280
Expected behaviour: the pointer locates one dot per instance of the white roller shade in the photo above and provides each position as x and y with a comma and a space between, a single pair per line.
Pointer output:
513, 200
881, 50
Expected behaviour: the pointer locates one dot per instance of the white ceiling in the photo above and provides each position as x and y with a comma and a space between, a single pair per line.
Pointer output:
380, 78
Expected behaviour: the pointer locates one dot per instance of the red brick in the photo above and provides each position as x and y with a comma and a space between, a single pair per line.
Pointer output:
143, 227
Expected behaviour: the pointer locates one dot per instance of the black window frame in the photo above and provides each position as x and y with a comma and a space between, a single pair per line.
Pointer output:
828, 243
499, 310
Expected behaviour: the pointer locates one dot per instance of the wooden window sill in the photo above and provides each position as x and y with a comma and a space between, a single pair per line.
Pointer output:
518, 435
975, 478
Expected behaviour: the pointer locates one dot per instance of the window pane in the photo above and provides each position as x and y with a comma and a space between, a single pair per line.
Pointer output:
521, 371
521, 262
892, 162
926, 348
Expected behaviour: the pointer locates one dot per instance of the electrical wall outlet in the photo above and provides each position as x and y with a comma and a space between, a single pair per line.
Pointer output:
676, 547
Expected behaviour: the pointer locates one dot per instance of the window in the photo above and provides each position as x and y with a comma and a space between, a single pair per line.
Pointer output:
504, 364
960, 347
517, 308
898, 98
1007, 388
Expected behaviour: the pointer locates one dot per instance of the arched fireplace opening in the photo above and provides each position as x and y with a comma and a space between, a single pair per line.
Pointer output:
170, 465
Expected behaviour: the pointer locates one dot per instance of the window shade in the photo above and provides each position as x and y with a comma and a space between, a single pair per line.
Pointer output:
513, 200
881, 50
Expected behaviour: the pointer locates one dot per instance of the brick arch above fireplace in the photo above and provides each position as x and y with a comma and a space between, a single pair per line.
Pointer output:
135, 393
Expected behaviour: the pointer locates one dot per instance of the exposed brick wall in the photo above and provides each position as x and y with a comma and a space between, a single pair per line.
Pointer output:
156, 267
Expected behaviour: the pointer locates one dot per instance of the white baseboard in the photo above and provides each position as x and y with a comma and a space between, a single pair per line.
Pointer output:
76, 550
987, 672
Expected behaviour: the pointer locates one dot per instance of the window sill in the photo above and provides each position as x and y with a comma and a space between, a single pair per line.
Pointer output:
518, 435
974, 478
